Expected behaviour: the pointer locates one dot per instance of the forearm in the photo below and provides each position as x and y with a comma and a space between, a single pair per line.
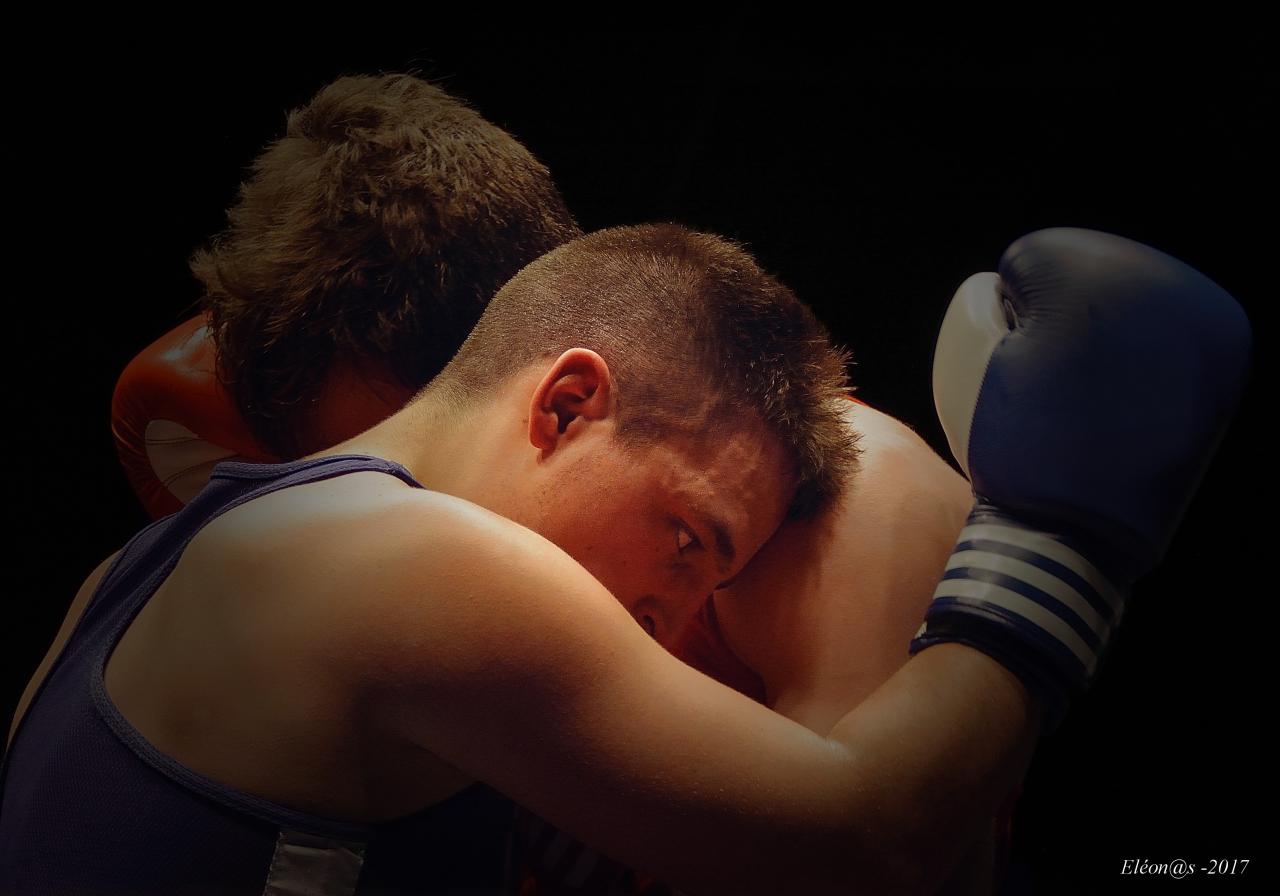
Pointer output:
933, 752
889, 802
649, 762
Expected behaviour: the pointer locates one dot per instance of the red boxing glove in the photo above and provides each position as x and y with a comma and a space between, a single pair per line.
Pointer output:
173, 421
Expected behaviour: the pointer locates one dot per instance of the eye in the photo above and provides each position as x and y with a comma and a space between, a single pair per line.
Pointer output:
684, 539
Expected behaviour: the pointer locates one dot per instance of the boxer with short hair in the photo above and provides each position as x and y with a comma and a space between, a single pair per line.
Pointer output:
817, 621
360, 253
810, 629
174, 380
265, 681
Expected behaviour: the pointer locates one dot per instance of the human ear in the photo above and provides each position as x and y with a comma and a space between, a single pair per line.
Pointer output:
577, 387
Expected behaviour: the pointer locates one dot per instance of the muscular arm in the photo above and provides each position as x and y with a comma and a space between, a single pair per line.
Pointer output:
521, 670
825, 612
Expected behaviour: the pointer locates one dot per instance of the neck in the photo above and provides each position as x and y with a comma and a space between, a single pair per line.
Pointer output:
464, 451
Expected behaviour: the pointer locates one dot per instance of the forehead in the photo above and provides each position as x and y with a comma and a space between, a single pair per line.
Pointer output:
737, 481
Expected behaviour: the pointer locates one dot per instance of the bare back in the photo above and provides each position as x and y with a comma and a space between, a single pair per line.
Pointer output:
825, 612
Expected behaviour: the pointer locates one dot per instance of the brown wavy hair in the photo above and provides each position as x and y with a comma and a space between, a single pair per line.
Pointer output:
379, 227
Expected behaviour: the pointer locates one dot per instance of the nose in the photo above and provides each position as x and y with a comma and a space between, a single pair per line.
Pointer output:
665, 617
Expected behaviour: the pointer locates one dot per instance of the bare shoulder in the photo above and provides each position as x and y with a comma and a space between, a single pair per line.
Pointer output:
825, 611
898, 463
902, 497
885, 432
403, 583
413, 605
370, 534
466, 621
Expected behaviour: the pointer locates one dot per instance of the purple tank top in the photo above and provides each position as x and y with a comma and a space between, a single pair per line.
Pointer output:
89, 806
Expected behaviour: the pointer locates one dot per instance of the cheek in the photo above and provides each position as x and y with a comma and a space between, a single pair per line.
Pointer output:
636, 563
610, 557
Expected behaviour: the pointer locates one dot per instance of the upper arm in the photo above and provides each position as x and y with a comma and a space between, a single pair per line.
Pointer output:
499, 654
60, 640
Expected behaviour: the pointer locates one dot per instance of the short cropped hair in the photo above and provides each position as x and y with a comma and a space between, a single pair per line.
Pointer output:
379, 226
697, 337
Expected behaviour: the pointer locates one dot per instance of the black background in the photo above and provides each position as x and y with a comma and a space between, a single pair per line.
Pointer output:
872, 173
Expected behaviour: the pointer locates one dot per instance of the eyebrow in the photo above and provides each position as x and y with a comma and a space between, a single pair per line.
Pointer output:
724, 541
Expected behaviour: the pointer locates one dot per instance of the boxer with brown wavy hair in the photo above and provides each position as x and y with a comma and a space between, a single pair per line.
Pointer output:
362, 248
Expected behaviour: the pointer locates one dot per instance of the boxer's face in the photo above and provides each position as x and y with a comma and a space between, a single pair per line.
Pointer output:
663, 526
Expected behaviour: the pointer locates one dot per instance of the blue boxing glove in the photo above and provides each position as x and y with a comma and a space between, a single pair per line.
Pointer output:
1083, 390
